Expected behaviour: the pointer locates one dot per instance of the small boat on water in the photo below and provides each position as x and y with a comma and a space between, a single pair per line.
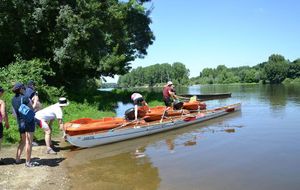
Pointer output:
119, 129
210, 96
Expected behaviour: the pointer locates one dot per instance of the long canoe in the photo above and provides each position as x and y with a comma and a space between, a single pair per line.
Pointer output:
130, 130
210, 96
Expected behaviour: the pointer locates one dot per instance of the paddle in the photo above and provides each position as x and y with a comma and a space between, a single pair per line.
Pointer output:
163, 115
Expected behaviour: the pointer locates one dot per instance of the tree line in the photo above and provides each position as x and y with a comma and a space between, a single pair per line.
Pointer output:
276, 70
157, 74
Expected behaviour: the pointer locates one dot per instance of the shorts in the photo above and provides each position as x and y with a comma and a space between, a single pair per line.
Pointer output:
168, 101
43, 124
26, 126
1, 130
138, 101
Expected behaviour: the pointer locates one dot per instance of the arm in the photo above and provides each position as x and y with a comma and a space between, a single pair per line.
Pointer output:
135, 112
35, 100
172, 94
61, 124
4, 114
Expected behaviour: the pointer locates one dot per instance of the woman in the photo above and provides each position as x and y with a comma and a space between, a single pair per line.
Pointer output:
3, 116
26, 128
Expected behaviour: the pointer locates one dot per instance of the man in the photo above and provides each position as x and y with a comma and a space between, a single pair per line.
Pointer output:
138, 99
169, 94
46, 117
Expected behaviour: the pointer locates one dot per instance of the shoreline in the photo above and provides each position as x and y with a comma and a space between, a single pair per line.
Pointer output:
50, 174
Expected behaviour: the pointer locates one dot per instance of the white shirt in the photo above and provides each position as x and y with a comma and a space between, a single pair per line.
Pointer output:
50, 113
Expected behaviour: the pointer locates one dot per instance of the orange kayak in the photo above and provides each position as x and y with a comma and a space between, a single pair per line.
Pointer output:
194, 105
88, 125
156, 113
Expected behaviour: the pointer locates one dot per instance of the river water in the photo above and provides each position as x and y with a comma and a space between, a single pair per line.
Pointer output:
256, 148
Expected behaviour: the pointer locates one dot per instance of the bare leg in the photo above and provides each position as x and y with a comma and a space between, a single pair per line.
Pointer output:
20, 147
48, 138
29, 138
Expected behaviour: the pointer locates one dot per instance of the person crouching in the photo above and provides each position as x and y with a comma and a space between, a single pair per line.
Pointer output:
46, 116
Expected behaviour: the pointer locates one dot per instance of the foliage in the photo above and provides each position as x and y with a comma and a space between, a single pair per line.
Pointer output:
81, 39
36, 70
156, 74
275, 70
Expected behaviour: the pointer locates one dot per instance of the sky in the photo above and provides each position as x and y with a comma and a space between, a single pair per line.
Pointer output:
207, 33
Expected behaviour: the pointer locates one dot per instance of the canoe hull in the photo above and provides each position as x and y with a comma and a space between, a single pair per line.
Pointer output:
111, 136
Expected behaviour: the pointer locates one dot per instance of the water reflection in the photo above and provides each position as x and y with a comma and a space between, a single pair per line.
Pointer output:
121, 171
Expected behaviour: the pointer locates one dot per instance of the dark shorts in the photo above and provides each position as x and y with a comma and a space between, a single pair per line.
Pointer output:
168, 101
138, 101
1, 130
26, 127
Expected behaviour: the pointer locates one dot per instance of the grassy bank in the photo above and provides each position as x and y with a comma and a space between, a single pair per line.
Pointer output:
95, 105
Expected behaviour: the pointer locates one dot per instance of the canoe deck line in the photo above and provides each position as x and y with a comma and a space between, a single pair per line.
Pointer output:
134, 130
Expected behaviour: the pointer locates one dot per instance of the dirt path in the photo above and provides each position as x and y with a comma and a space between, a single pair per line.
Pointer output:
51, 174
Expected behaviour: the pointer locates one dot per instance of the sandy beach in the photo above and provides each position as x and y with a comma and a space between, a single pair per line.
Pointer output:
50, 174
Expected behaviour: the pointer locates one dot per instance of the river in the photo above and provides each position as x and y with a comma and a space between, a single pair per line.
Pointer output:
256, 148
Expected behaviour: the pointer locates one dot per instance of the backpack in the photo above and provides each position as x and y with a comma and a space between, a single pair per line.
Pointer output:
25, 112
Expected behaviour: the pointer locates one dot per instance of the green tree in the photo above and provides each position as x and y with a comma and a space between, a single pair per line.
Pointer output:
81, 39
276, 68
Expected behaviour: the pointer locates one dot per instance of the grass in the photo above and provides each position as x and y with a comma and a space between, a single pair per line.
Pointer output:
96, 105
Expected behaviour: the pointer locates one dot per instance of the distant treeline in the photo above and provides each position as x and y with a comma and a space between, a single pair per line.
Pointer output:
156, 74
275, 70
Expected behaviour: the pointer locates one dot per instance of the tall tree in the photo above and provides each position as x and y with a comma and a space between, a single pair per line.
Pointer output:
276, 68
81, 38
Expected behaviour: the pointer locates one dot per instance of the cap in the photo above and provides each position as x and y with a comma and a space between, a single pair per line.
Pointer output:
169, 83
18, 86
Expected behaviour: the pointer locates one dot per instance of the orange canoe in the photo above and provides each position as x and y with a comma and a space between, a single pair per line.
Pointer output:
156, 113
88, 125
194, 105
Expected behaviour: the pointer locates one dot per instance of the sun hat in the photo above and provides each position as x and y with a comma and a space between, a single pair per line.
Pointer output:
63, 101
169, 83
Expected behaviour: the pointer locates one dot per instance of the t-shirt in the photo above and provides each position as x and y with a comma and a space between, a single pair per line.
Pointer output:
166, 90
29, 92
16, 103
50, 113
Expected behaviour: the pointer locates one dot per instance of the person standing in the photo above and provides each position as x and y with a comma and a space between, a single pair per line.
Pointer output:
3, 116
26, 128
31, 92
138, 99
46, 117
